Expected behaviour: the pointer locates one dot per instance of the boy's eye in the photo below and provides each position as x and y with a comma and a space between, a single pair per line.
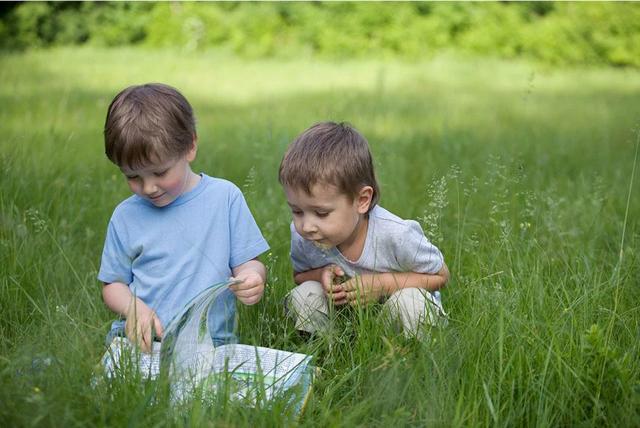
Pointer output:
131, 177
322, 213
160, 173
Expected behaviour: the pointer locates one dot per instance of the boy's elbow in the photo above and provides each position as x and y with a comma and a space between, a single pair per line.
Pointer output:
296, 278
444, 274
106, 291
114, 292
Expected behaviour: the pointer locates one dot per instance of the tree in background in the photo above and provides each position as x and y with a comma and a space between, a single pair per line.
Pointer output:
556, 33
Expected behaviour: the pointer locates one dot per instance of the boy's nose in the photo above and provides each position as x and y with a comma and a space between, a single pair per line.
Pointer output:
308, 227
149, 187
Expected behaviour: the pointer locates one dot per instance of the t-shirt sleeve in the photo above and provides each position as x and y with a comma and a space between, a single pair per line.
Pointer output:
415, 253
115, 265
245, 238
298, 258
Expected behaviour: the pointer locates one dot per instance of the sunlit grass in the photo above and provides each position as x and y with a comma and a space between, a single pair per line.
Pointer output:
520, 175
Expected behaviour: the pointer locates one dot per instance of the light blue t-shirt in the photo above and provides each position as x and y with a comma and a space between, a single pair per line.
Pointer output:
170, 254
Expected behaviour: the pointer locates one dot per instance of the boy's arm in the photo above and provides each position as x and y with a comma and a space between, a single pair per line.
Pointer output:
308, 275
141, 321
371, 287
253, 275
414, 254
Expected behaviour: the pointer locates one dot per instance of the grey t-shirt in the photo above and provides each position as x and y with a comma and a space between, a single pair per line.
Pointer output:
392, 245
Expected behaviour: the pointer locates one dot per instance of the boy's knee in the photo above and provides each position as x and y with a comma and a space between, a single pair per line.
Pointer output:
308, 305
304, 294
308, 288
408, 301
414, 307
406, 296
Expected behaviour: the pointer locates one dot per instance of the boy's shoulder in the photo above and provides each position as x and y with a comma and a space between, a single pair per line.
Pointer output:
219, 184
384, 223
382, 216
380, 213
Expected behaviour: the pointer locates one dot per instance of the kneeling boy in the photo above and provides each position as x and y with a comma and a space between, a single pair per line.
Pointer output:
180, 232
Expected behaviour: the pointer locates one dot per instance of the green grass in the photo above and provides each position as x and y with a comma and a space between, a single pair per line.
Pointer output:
521, 175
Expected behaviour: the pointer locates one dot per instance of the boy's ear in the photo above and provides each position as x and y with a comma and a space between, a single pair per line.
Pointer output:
191, 154
363, 199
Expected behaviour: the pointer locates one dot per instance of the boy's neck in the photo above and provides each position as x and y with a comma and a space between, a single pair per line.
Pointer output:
352, 248
192, 181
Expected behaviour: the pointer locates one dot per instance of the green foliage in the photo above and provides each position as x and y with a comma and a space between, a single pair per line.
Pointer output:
32, 25
587, 35
604, 33
42, 24
116, 23
186, 25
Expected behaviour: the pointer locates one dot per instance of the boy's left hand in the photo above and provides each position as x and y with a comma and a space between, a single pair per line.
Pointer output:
249, 288
362, 290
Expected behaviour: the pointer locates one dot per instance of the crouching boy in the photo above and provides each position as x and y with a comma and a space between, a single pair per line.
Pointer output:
345, 248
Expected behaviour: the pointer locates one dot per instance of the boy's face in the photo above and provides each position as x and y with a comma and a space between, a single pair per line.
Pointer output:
161, 183
328, 217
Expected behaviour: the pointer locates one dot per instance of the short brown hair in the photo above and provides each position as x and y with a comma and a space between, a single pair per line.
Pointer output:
148, 123
332, 153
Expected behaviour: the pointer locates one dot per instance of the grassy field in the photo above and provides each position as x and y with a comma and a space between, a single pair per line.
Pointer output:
522, 175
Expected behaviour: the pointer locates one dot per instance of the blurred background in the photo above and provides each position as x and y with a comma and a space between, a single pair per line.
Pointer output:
597, 33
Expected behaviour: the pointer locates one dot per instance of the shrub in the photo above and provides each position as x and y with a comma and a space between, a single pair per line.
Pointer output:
555, 33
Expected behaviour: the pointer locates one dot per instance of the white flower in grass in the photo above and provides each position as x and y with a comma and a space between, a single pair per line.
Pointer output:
35, 220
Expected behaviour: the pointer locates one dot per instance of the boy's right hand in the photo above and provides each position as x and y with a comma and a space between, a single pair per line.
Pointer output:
142, 325
331, 278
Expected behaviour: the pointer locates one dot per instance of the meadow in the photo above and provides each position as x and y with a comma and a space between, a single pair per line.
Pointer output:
525, 176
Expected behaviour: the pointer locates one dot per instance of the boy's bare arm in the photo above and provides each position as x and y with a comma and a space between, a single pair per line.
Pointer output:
308, 275
392, 282
142, 323
117, 296
371, 287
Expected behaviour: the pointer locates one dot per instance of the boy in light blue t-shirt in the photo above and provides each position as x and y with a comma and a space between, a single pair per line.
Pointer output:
180, 232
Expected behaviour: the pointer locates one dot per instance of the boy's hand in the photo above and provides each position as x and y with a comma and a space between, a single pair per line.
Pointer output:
250, 277
332, 278
363, 290
142, 324
249, 287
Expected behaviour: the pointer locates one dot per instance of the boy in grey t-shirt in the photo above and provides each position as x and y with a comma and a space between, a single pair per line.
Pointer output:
338, 231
